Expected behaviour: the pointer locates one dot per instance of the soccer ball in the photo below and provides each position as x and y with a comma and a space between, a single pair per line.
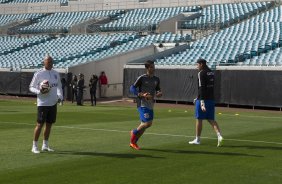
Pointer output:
44, 86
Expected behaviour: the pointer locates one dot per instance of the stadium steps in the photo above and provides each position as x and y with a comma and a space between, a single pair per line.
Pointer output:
160, 55
144, 19
94, 28
237, 20
91, 52
271, 6
15, 29
263, 49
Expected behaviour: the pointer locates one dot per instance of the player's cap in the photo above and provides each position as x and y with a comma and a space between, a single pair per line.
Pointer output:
202, 61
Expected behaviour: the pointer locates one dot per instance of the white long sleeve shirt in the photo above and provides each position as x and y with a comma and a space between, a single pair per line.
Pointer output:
55, 93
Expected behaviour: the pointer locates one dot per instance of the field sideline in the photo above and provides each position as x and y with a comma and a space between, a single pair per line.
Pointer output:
91, 146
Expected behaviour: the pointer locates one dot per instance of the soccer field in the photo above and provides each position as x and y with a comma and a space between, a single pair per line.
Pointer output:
92, 146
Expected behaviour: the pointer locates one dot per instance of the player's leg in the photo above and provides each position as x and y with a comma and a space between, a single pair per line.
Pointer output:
75, 95
199, 115
47, 131
50, 119
142, 128
216, 128
41, 117
95, 99
91, 97
72, 96
199, 127
36, 134
146, 117
104, 87
210, 113
79, 97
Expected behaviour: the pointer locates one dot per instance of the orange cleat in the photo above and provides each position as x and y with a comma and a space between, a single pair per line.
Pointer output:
134, 146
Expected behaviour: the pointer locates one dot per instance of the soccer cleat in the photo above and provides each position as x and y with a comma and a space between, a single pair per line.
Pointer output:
220, 141
195, 141
134, 146
35, 150
46, 148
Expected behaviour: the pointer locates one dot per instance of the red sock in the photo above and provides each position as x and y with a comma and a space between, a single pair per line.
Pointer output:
133, 138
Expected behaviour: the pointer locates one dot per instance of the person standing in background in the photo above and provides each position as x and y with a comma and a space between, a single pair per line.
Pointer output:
73, 86
103, 82
93, 88
64, 83
80, 88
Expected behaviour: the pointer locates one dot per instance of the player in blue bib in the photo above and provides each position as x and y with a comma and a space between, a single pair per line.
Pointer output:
204, 103
146, 87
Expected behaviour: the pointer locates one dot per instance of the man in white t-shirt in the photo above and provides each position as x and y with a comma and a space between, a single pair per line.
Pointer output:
46, 102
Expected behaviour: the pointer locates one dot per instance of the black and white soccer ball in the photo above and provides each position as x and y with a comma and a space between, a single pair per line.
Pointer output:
45, 86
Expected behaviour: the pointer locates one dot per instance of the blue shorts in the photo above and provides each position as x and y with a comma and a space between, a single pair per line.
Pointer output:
210, 110
146, 114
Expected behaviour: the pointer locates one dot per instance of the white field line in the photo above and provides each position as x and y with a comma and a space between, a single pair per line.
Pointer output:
112, 101
248, 116
148, 133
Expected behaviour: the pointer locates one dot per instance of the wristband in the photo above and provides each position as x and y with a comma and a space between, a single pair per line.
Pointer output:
202, 103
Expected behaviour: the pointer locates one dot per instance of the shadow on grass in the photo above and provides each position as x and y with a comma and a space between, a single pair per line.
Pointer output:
202, 152
113, 155
256, 147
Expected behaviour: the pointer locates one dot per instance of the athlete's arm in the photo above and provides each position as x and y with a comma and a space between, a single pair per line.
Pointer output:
158, 89
59, 88
202, 89
33, 87
137, 84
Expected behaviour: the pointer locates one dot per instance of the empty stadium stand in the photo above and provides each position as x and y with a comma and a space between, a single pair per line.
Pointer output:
250, 35
62, 22
142, 19
226, 14
233, 45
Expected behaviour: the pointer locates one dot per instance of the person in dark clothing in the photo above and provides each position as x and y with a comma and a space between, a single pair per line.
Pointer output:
204, 103
93, 88
64, 83
80, 88
146, 88
73, 86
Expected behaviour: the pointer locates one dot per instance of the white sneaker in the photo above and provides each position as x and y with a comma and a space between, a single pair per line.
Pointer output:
35, 150
220, 141
195, 141
46, 148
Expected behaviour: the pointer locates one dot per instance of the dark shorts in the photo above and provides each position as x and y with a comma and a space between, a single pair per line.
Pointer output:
210, 110
46, 114
146, 115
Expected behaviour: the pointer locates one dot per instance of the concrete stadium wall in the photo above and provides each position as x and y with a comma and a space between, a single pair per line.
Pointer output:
171, 24
94, 5
113, 67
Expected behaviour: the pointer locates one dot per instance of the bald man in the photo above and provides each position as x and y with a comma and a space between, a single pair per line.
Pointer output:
46, 102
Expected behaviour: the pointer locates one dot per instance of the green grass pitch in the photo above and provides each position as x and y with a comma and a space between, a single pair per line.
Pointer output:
92, 146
